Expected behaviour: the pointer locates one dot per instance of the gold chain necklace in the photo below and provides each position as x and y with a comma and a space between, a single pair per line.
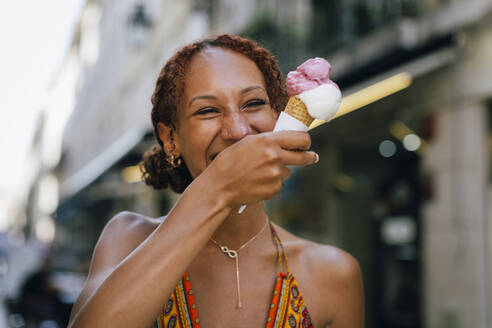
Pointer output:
233, 254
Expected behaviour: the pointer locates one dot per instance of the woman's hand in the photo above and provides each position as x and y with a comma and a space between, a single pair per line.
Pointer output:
254, 168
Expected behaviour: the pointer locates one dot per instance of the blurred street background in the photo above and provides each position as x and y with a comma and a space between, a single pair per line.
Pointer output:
404, 181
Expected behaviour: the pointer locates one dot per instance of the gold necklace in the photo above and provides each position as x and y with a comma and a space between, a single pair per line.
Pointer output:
233, 254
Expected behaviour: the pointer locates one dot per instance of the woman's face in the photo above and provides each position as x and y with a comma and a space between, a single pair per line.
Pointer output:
224, 100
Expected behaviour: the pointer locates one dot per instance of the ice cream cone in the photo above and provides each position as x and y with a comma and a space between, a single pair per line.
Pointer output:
296, 108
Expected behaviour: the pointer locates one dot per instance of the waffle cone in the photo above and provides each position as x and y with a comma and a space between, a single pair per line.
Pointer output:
296, 108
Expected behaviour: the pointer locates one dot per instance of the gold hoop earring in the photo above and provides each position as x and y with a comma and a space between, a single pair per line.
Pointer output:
175, 162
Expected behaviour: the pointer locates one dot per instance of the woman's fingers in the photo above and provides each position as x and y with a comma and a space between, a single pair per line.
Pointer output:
294, 147
299, 157
285, 173
291, 139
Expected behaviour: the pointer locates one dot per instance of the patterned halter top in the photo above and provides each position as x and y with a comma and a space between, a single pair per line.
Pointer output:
287, 308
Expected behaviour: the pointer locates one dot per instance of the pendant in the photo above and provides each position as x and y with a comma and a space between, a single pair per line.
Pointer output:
233, 255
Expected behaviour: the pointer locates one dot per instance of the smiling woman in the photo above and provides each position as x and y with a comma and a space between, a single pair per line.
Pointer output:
203, 264
160, 173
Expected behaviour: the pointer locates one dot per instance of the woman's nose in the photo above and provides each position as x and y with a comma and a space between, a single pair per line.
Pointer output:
235, 126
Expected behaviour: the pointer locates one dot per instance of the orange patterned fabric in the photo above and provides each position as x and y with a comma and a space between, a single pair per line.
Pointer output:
287, 308
180, 310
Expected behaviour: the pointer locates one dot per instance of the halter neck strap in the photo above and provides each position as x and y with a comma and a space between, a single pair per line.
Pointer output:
280, 250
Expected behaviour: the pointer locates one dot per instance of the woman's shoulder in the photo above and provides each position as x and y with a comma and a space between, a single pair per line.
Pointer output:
132, 220
328, 263
330, 279
130, 227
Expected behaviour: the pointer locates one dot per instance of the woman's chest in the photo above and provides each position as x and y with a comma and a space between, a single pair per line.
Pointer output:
285, 308
211, 290
217, 294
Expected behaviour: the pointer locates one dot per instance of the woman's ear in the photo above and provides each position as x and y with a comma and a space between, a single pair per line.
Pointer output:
167, 136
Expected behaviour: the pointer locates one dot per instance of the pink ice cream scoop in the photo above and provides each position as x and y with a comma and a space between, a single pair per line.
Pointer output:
311, 84
311, 74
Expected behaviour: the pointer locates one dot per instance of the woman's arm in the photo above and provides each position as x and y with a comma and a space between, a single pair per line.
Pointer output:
132, 274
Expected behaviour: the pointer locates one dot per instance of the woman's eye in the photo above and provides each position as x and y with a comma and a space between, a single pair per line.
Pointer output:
255, 103
207, 110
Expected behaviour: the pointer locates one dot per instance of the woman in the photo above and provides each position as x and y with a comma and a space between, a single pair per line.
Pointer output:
214, 106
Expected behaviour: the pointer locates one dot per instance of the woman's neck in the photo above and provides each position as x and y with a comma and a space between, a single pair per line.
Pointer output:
237, 228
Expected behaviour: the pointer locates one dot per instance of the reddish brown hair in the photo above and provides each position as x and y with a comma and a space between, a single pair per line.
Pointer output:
156, 170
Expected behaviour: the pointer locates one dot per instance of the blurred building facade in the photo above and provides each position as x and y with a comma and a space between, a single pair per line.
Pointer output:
419, 221
413, 210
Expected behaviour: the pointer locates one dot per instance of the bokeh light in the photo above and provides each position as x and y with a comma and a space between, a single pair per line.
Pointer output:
387, 148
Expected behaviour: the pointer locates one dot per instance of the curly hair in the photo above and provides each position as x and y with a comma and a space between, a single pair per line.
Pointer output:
156, 170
